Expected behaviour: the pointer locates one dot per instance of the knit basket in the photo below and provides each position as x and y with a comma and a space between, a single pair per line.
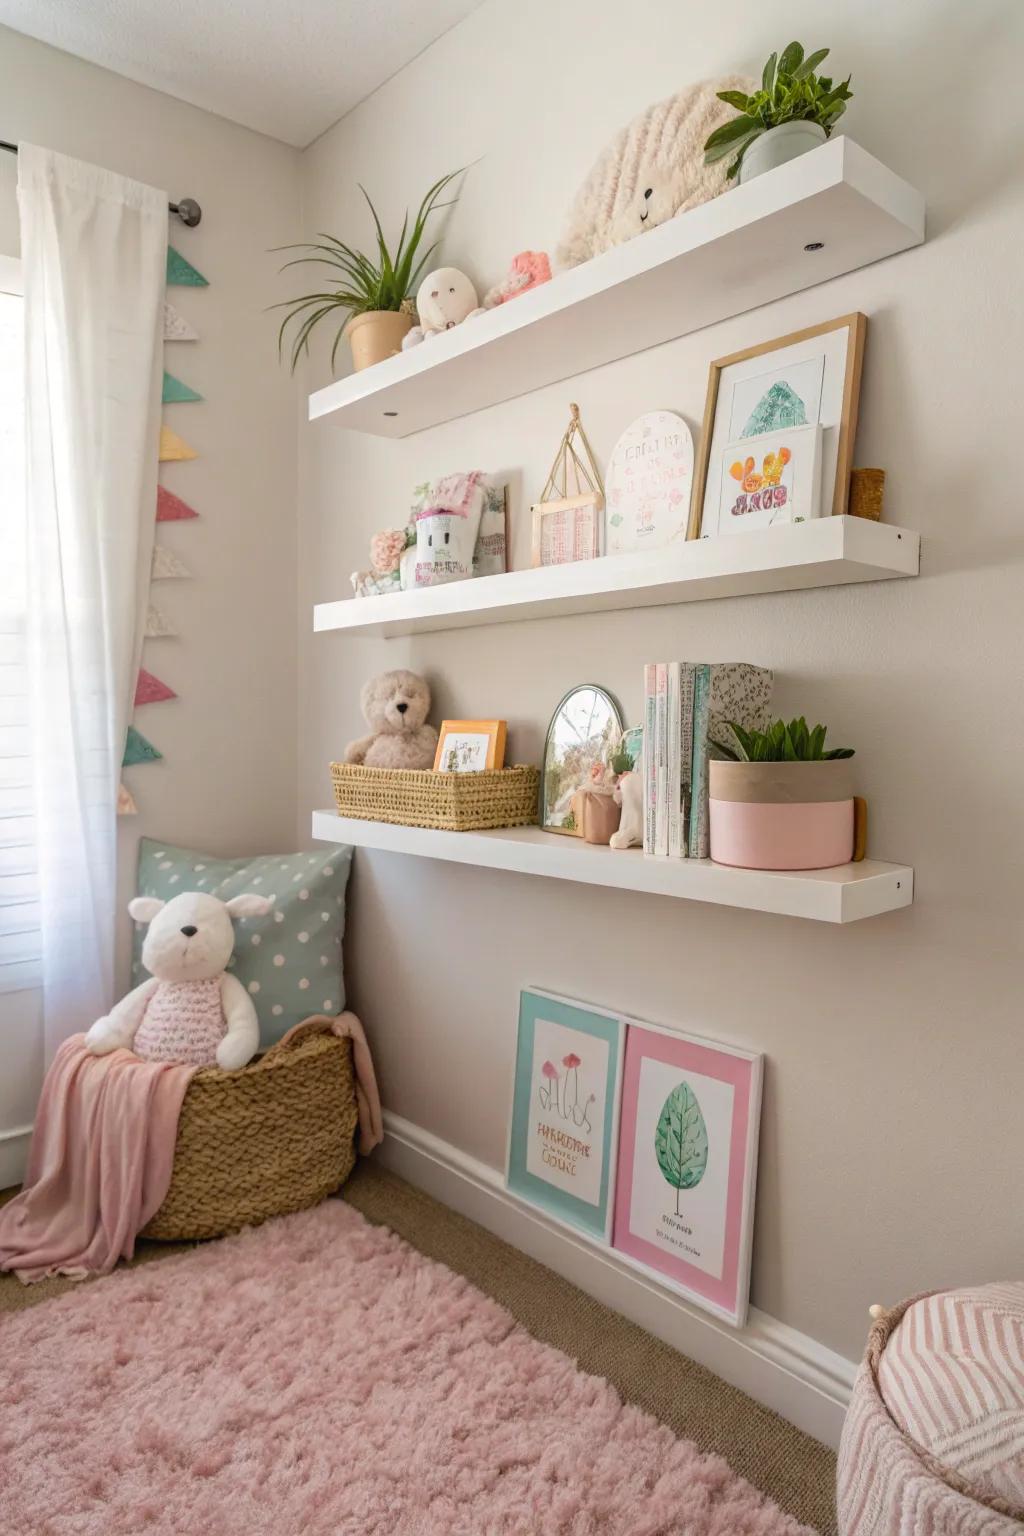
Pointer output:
273, 1138
449, 802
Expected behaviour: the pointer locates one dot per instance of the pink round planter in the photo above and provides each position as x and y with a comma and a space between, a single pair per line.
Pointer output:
781, 815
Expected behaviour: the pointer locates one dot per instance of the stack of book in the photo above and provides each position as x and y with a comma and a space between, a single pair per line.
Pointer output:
687, 707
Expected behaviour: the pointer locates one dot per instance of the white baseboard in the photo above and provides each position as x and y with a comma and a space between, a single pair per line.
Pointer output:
14, 1155
796, 1376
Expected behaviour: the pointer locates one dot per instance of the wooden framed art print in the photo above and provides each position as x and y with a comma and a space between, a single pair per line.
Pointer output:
567, 530
684, 1202
563, 1129
811, 378
470, 746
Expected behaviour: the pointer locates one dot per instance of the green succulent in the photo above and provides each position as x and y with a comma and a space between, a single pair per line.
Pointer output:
790, 92
780, 743
386, 283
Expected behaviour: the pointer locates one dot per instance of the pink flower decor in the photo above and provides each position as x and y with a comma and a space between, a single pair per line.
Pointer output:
386, 550
549, 1069
572, 1060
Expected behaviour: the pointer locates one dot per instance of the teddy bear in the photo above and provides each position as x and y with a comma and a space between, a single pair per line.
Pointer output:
395, 706
651, 171
191, 1009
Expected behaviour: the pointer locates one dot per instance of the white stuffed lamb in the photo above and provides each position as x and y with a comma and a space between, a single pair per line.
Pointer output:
190, 1009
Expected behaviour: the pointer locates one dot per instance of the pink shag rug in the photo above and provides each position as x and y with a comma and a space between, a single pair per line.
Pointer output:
319, 1377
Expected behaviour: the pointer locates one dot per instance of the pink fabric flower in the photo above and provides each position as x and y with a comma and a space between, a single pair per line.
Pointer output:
386, 550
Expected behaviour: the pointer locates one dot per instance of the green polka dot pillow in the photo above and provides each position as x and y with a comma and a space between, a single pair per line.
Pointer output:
291, 960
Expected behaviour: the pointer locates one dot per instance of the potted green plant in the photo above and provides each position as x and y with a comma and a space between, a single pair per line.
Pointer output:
374, 296
780, 800
795, 110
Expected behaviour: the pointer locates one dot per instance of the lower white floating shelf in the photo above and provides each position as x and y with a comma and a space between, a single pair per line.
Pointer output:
840, 895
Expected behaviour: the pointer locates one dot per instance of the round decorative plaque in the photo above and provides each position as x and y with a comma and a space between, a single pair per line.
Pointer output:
647, 487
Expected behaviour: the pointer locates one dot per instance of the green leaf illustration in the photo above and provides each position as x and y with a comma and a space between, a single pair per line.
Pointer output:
681, 1140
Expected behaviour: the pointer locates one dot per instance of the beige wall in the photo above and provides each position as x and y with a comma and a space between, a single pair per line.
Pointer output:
890, 1157
227, 781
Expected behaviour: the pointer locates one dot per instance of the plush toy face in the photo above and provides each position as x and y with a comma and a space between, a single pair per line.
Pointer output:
190, 938
444, 299
654, 197
395, 702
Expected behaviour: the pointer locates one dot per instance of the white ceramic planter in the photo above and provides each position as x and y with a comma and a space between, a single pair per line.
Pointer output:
781, 815
778, 146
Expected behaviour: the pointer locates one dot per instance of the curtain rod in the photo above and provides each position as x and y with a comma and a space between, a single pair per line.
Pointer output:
188, 210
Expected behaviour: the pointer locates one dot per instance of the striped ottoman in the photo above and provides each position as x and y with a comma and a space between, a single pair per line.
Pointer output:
933, 1444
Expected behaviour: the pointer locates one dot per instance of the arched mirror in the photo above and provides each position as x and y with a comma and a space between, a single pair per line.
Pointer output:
584, 730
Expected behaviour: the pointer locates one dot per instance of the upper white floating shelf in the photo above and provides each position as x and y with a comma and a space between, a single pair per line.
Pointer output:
826, 552
844, 894
831, 211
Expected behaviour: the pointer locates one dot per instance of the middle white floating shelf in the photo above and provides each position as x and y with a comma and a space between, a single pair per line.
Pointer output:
825, 552
840, 895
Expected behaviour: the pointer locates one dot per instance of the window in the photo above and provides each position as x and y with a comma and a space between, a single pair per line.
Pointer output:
19, 909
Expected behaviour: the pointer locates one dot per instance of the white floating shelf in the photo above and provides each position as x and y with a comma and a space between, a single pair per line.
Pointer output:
743, 249
840, 895
826, 552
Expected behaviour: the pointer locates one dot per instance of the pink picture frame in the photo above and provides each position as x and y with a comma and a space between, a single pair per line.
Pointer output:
687, 1165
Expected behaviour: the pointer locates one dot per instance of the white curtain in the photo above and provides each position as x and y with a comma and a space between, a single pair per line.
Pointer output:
93, 255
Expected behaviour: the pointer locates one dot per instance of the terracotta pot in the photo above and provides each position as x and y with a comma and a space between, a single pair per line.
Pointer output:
598, 816
782, 815
376, 335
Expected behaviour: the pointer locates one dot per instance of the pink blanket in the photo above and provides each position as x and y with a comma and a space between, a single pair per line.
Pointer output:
99, 1166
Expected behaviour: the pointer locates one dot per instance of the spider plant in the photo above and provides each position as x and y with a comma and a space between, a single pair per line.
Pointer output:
365, 285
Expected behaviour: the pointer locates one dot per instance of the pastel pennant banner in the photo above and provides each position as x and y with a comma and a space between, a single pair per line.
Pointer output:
167, 565
177, 393
173, 447
171, 508
138, 750
150, 690
176, 327
181, 273
157, 626
126, 802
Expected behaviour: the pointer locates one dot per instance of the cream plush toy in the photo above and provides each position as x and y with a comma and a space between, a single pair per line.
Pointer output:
396, 706
444, 299
629, 793
191, 1009
653, 169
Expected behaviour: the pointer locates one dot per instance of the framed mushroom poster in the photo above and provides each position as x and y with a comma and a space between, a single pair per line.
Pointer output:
684, 1203
563, 1130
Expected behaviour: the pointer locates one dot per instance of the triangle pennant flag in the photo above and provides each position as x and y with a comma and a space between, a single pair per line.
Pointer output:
166, 564
181, 273
176, 327
150, 690
126, 802
157, 626
138, 750
171, 508
173, 447
177, 393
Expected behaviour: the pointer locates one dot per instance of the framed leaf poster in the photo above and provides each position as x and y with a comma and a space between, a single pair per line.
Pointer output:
684, 1203
563, 1131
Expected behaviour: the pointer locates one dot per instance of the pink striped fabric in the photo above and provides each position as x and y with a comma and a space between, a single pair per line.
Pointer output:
934, 1439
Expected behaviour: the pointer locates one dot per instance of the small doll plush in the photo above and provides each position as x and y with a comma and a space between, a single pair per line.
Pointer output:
444, 299
191, 1009
396, 706
528, 270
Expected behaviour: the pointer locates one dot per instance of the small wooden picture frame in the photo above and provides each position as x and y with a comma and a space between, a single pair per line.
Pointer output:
567, 530
470, 746
824, 380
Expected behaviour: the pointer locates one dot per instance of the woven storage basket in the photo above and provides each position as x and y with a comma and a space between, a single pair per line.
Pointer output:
275, 1137
449, 802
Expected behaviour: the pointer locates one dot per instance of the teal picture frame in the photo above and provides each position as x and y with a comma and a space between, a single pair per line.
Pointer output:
564, 1121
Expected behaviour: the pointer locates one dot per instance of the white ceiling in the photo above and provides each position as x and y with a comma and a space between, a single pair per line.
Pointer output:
288, 68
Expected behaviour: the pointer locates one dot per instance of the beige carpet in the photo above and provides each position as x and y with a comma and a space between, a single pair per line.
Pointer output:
796, 1471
